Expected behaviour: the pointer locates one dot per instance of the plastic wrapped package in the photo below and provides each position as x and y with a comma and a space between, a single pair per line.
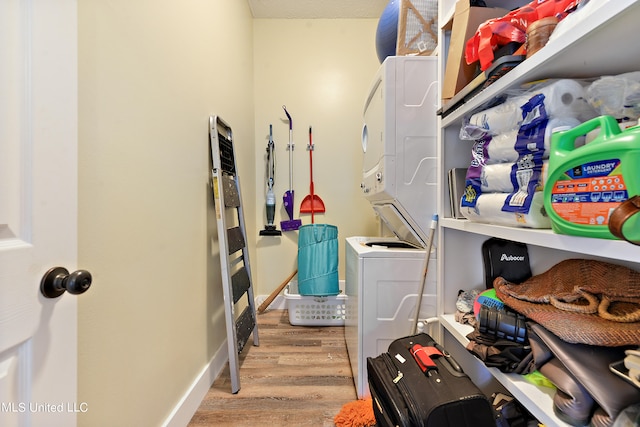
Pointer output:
509, 156
617, 96
503, 148
489, 208
500, 177
560, 98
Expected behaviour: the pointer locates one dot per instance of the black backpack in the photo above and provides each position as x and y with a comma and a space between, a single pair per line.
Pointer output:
506, 259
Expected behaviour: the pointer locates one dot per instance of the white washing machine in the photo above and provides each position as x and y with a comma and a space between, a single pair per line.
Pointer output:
383, 278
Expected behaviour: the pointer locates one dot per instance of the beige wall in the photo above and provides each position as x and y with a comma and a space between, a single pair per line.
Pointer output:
321, 70
151, 72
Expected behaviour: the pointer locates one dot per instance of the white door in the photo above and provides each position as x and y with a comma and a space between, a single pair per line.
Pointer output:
38, 211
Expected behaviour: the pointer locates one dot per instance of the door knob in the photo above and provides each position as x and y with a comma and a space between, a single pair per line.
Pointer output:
58, 280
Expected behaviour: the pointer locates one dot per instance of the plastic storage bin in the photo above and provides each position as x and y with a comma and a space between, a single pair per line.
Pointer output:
315, 311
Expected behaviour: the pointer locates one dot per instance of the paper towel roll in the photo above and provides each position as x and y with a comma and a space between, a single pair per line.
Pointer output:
502, 147
497, 178
489, 210
495, 120
560, 100
562, 97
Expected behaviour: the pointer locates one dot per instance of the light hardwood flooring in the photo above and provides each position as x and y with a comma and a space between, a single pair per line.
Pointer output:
297, 376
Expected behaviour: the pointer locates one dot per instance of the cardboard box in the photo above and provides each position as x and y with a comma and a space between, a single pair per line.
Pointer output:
417, 27
463, 25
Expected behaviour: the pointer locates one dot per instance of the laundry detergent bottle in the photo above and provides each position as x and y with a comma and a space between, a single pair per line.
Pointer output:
587, 182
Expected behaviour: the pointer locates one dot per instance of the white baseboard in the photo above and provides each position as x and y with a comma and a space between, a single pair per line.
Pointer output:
190, 402
188, 405
279, 303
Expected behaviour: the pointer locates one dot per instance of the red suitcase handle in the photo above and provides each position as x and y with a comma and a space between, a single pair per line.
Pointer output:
423, 356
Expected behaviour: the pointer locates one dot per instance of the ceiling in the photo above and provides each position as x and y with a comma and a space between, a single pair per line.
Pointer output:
317, 9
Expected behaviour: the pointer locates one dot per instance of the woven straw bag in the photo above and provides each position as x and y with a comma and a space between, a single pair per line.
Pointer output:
580, 301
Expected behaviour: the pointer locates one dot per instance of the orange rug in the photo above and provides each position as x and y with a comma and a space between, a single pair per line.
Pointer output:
356, 414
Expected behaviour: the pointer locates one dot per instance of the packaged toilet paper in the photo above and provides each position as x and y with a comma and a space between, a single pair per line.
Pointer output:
555, 99
510, 154
509, 177
525, 174
506, 148
489, 209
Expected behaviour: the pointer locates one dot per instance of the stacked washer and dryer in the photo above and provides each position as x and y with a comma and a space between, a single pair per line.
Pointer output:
383, 274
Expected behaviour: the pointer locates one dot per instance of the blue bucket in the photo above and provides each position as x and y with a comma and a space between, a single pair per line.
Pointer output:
318, 260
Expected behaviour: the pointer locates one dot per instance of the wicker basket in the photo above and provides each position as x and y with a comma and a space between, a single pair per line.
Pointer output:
315, 311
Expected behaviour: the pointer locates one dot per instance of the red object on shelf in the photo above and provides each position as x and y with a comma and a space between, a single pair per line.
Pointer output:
512, 28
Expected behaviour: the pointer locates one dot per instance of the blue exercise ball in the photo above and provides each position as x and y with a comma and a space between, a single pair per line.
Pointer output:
387, 31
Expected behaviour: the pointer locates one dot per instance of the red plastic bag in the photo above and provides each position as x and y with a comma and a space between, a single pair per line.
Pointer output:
512, 28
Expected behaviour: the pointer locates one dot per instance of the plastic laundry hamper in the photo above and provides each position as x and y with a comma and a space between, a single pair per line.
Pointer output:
318, 260
314, 310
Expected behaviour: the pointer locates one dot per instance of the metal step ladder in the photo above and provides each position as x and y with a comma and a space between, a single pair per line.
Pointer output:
234, 254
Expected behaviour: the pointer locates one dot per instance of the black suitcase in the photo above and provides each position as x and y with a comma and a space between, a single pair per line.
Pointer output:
418, 384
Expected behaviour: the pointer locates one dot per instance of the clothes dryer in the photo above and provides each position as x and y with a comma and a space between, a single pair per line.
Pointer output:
399, 149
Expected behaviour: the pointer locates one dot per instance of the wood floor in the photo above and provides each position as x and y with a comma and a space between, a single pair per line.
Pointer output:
298, 376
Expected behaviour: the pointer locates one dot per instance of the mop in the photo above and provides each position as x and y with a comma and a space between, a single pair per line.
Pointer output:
432, 230
270, 229
290, 224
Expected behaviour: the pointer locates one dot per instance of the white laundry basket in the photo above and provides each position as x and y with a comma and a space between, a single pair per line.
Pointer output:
315, 311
